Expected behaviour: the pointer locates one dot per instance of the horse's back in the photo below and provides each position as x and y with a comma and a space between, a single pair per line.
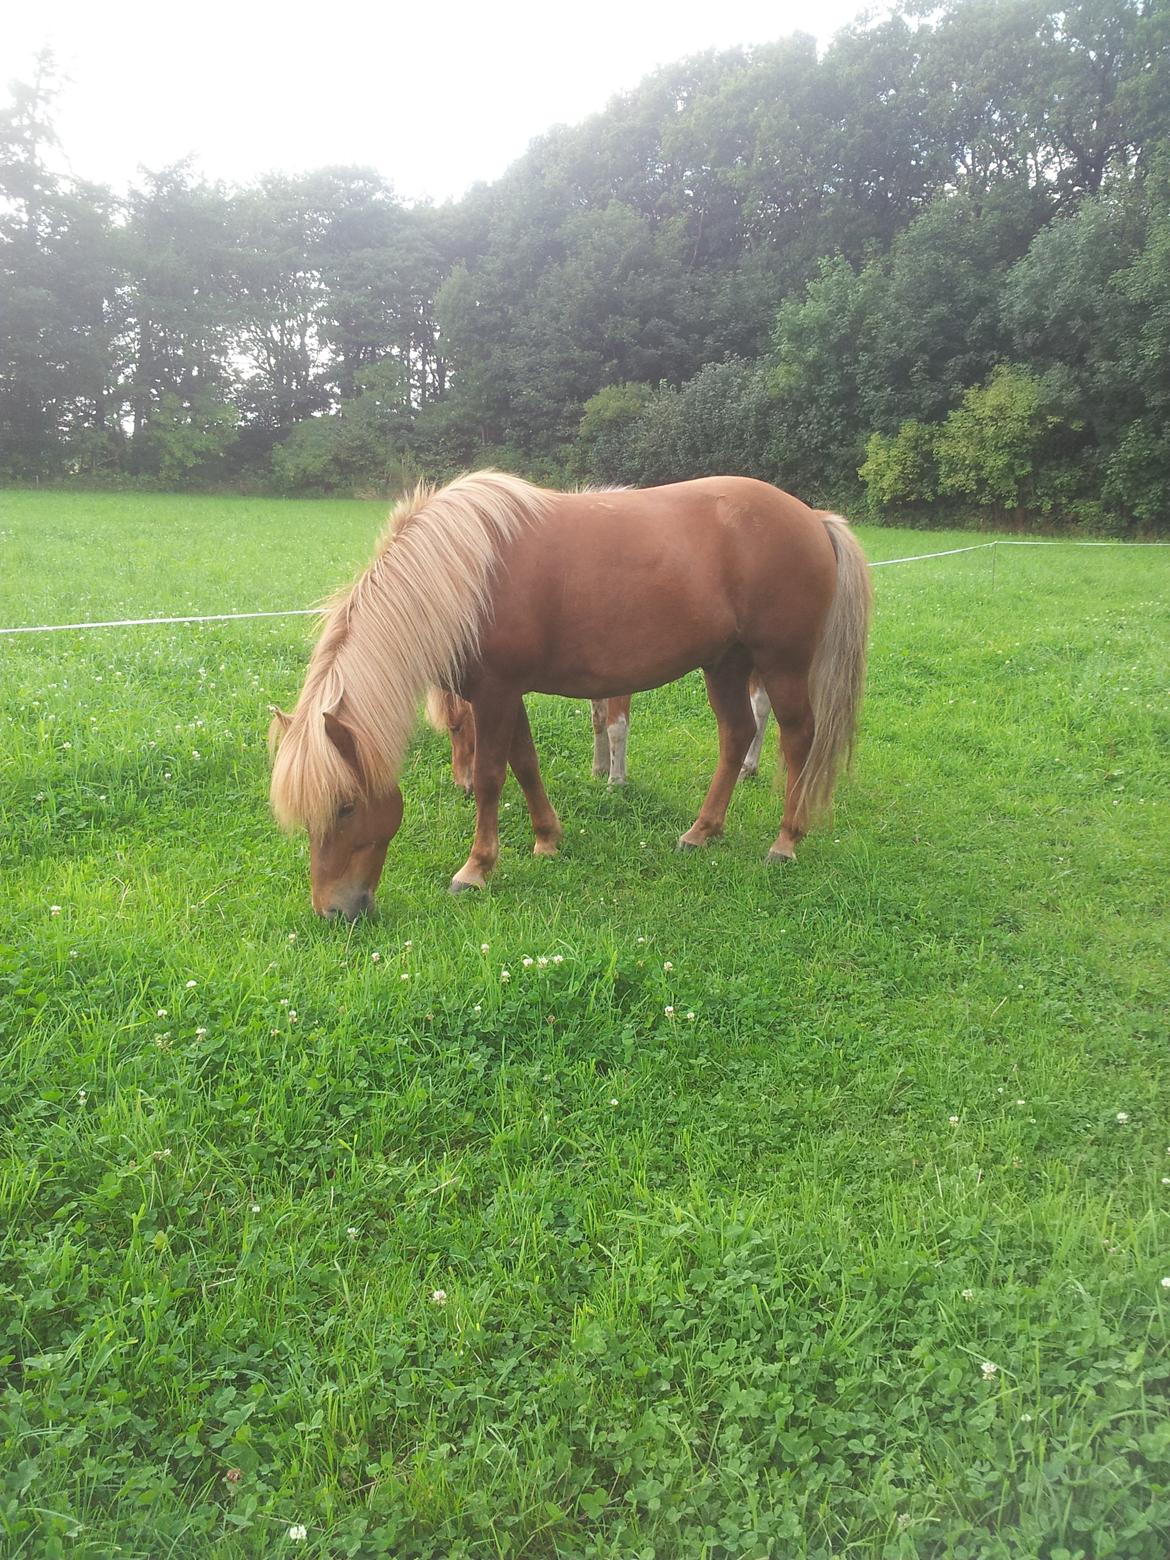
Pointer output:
616, 590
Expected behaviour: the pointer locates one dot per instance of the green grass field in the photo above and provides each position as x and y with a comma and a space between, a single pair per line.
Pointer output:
339, 1229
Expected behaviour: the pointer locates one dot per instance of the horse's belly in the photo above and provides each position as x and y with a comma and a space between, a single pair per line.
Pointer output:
644, 651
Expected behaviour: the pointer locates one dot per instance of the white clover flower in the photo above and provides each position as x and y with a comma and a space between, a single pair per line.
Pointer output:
542, 961
968, 1294
162, 1012
292, 1015
485, 947
375, 958
526, 962
668, 1010
404, 976
1122, 1117
1166, 1180
439, 1296
668, 966
613, 1101
298, 1533
82, 1096
988, 1369
255, 1207
558, 958
54, 909
505, 975
352, 1231
191, 984
690, 1016
954, 1120
1166, 1283
1020, 1102
408, 944
478, 1008
641, 940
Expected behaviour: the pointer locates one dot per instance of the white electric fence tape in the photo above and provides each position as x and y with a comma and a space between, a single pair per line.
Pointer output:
235, 617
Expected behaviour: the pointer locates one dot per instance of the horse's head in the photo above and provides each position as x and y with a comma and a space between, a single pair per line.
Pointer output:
462, 729
346, 854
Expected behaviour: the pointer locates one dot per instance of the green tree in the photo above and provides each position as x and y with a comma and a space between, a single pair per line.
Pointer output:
61, 297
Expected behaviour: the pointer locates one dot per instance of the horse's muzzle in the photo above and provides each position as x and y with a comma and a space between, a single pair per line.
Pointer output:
351, 908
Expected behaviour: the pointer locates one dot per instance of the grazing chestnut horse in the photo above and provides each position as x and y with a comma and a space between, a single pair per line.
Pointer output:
611, 724
492, 588
611, 728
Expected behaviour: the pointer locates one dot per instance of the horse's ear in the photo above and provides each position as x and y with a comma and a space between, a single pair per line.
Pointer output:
344, 741
277, 727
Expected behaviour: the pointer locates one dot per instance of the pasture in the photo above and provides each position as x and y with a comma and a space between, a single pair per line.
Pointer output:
818, 1211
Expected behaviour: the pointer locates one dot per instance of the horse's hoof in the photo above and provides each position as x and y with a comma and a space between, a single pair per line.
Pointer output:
687, 845
777, 858
458, 886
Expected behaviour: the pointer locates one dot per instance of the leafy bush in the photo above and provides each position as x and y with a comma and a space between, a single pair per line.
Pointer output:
184, 439
363, 447
988, 448
716, 422
901, 470
607, 422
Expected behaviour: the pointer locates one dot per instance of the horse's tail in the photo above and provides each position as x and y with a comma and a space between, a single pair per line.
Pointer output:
440, 708
837, 676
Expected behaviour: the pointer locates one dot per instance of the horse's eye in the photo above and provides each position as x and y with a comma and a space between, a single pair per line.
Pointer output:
345, 810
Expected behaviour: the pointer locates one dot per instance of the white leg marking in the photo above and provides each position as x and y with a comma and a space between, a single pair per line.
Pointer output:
761, 709
618, 732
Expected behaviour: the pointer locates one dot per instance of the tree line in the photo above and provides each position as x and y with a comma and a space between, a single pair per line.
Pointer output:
925, 271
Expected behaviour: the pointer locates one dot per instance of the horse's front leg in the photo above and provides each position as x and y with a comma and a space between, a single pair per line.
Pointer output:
495, 722
526, 767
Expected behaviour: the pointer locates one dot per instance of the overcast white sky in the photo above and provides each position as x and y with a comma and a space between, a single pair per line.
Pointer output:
435, 96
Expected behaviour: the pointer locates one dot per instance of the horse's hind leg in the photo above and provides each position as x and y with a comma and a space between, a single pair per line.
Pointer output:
600, 738
761, 708
617, 719
526, 767
727, 691
788, 692
496, 714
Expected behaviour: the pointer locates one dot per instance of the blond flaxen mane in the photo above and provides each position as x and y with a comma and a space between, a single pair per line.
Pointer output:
414, 617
